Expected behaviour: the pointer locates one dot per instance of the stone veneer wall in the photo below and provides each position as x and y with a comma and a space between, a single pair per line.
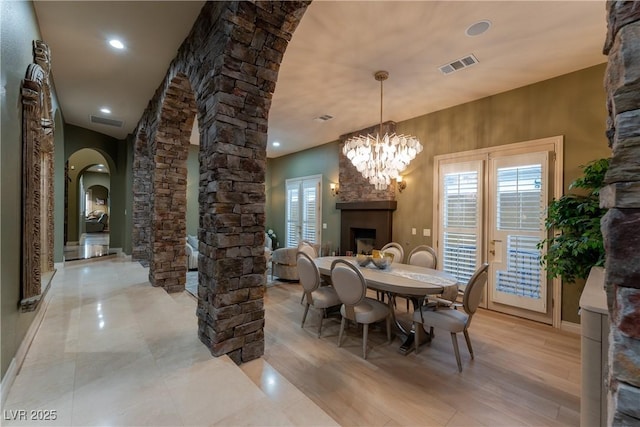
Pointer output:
141, 199
352, 186
170, 148
228, 65
621, 224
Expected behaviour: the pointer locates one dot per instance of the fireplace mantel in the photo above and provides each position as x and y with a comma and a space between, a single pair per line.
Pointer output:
368, 205
371, 214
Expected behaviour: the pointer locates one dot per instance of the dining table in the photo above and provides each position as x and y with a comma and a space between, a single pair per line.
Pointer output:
410, 281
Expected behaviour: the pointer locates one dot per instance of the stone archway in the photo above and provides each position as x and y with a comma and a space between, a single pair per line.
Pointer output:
168, 197
231, 59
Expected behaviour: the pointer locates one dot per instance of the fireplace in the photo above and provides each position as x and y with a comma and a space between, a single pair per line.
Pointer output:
365, 225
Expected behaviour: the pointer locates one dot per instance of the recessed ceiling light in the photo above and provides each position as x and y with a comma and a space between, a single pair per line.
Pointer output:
478, 28
275, 144
116, 43
105, 110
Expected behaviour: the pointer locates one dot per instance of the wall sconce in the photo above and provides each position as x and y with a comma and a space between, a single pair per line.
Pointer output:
334, 189
400, 183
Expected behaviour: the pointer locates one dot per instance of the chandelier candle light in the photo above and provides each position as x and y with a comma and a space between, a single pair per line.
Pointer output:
381, 158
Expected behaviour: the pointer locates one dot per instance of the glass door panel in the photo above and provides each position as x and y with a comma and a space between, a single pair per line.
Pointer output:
518, 199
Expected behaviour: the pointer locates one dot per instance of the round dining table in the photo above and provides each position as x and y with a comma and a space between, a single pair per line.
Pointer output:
410, 281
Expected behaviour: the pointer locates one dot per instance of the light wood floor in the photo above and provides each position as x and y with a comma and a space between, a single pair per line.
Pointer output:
524, 373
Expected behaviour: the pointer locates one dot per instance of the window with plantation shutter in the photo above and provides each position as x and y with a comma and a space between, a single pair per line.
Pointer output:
293, 214
303, 210
520, 204
460, 216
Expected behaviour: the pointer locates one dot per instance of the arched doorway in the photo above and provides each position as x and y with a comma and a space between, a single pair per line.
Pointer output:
230, 62
87, 205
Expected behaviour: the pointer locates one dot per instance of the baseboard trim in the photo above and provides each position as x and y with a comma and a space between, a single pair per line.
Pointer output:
118, 251
7, 381
574, 328
21, 354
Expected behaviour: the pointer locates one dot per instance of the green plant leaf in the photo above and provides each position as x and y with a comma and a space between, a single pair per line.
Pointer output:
571, 254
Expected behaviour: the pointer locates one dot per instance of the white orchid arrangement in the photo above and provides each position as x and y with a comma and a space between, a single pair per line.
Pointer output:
272, 236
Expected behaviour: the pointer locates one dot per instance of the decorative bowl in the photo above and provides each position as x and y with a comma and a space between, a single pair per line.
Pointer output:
383, 261
363, 260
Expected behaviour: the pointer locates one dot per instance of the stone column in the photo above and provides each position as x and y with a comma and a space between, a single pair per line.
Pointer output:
141, 199
621, 224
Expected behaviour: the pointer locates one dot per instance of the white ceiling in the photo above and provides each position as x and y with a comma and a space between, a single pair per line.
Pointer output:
329, 64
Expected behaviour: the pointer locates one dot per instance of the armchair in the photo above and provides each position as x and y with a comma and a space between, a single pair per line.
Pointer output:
97, 225
285, 260
191, 249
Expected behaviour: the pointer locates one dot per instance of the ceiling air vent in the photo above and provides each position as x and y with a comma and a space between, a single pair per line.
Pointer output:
104, 121
458, 64
323, 118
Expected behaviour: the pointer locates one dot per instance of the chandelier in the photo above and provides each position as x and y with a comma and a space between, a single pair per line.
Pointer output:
381, 158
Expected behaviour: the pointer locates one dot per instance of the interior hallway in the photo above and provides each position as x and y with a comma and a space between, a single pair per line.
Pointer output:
113, 350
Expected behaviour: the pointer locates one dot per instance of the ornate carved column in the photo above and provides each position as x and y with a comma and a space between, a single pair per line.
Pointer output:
37, 188
31, 135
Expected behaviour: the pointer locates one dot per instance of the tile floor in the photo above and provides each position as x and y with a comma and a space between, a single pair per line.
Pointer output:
91, 245
113, 350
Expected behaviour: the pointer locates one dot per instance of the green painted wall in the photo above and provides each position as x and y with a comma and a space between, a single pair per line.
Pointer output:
319, 160
18, 29
572, 105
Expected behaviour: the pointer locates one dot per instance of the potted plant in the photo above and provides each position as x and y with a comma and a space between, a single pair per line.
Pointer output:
576, 244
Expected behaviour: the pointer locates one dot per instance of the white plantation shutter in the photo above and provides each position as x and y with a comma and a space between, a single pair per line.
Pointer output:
293, 214
491, 206
310, 213
520, 214
522, 277
303, 210
460, 216
520, 204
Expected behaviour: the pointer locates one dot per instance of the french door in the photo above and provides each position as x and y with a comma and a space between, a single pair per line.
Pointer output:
491, 207
518, 198
461, 203
304, 210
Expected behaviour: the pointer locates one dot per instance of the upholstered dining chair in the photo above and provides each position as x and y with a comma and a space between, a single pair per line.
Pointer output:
351, 287
308, 248
451, 319
396, 250
398, 257
318, 297
424, 256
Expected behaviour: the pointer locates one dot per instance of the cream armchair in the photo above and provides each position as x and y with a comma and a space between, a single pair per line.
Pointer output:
268, 249
191, 249
285, 260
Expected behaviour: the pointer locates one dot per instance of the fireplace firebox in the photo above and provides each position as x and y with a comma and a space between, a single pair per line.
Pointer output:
369, 223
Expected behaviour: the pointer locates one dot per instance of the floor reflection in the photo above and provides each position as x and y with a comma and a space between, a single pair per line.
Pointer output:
92, 245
